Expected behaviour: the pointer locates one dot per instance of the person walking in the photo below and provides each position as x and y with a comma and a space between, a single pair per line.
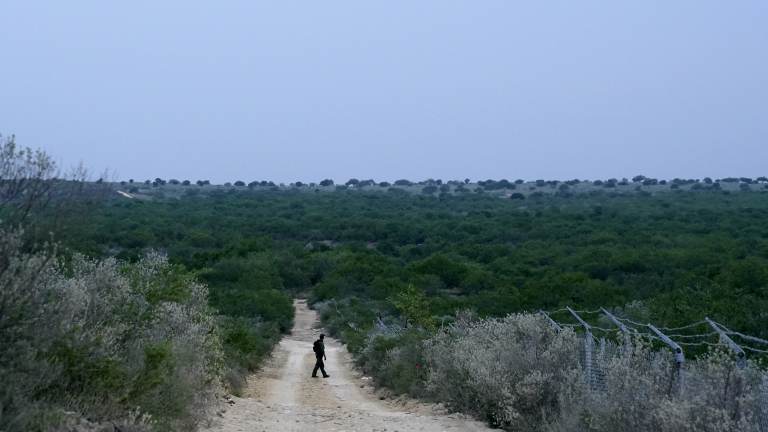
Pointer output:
319, 348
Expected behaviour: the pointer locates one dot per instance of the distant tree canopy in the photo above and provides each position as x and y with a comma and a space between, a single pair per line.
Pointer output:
428, 190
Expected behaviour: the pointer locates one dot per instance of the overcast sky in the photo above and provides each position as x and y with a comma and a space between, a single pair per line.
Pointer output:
304, 90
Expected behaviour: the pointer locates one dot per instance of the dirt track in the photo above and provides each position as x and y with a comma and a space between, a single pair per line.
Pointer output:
283, 397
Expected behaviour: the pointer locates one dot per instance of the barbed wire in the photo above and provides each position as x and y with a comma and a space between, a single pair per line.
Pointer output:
748, 337
748, 348
682, 339
696, 324
700, 343
683, 336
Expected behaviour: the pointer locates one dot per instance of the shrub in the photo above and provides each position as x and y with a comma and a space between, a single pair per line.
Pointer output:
509, 371
520, 374
396, 361
717, 396
105, 340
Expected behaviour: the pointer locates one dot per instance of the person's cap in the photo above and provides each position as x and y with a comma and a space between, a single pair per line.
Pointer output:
322, 335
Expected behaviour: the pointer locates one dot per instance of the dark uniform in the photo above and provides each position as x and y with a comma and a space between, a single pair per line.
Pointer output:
319, 349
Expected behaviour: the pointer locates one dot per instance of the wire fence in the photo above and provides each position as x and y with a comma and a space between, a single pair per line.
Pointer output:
606, 336
602, 342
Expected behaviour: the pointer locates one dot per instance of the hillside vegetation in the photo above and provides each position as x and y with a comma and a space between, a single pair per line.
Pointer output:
174, 289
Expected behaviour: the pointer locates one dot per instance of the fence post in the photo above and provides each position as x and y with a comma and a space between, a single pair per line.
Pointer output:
551, 321
741, 359
679, 355
624, 329
588, 344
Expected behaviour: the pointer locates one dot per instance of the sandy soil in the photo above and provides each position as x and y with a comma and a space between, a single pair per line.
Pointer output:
283, 397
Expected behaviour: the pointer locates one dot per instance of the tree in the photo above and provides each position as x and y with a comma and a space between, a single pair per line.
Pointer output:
326, 182
429, 190
413, 307
26, 180
403, 182
239, 183
352, 182
185, 183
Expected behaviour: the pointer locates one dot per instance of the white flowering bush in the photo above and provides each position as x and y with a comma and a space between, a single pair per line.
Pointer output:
509, 371
642, 392
133, 344
521, 374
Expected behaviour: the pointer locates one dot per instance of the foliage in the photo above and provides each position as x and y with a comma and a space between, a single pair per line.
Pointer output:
413, 306
520, 374
106, 340
509, 371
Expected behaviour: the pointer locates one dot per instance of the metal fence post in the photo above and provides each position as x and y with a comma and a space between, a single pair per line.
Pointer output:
741, 358
551, 321
588, 347
624, 329
679, 355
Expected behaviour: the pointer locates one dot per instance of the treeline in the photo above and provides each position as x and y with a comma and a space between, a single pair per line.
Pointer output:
488, 184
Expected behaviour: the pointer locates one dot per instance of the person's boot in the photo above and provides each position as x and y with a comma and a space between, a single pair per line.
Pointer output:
326, 376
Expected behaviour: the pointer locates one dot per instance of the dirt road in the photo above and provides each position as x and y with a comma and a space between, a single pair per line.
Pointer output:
283, 397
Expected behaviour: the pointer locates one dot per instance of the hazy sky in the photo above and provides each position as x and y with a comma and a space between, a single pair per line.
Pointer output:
303, 90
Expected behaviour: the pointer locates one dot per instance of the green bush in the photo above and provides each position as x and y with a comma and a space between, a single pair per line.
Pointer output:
109, 341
